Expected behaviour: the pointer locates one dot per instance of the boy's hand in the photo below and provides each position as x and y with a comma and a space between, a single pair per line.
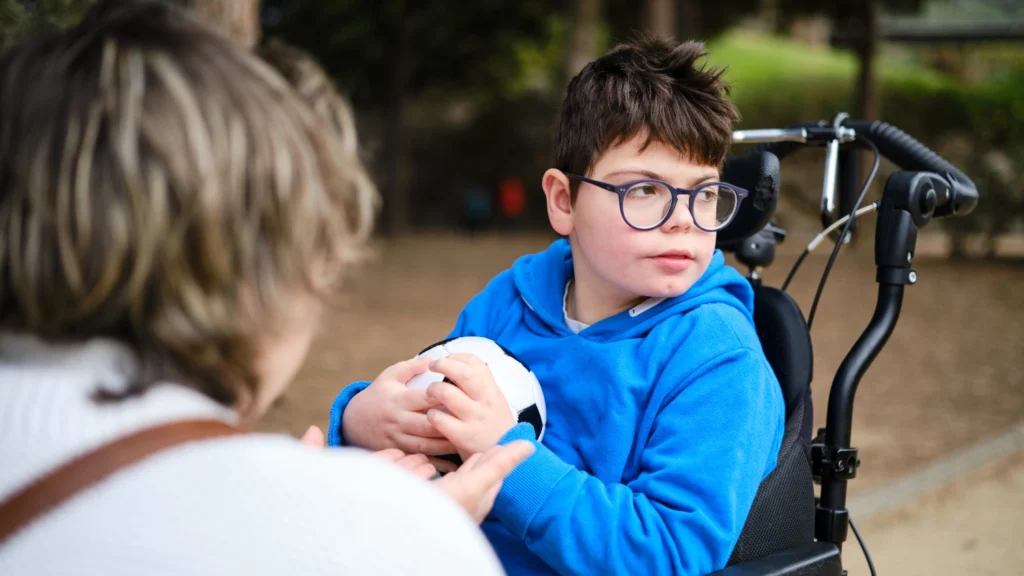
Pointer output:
478, 413
387, 414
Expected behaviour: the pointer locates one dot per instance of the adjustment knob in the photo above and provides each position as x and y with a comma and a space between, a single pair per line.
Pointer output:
929, 199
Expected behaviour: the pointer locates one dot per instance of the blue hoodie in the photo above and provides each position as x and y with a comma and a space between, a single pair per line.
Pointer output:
661, 425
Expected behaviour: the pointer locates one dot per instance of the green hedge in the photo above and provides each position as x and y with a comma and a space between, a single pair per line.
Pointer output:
979, 127
777, 82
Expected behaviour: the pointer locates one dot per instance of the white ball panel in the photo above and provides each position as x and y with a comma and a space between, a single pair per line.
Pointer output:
435, 353
426, 379
515, 382
483, 348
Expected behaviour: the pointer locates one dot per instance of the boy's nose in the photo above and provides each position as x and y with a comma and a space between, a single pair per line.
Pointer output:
680, 218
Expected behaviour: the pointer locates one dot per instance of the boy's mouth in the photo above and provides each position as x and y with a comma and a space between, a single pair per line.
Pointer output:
674, 260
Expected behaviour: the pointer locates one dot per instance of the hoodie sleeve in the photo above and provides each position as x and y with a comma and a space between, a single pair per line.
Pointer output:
334, 435
701, 467
484, 315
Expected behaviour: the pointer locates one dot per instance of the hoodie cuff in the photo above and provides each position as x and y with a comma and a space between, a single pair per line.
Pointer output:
334, 436
526, 489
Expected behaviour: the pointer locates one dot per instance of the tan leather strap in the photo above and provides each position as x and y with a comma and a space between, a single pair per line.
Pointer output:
62, 484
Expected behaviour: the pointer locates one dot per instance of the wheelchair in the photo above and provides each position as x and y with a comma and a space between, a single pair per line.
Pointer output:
791, 530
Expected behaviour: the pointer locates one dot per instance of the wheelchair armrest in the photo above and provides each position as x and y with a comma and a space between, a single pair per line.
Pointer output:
811, 559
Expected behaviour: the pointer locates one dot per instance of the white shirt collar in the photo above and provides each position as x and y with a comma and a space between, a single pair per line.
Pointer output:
576, 326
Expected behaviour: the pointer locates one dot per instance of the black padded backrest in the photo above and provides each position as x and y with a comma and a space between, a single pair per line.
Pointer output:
782, 515
786, 341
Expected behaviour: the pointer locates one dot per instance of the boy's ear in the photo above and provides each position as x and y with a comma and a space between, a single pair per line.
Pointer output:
556, 189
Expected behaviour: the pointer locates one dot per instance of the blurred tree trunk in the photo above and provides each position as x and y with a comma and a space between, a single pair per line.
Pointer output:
858, 18
585, 28
660, 16
239, 20
398, 149
688, 20
866, 45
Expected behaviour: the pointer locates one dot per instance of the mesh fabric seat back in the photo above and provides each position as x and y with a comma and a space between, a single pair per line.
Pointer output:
782, 515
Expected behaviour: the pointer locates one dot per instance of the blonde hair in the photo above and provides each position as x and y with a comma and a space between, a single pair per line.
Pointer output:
315, 86
165, 188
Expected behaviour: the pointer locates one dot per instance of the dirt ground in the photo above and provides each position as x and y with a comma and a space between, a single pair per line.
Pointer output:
951, 375
971, 526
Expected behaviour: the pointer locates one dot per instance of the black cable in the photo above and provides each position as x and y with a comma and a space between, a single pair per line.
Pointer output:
846, 228
871, 565
796, 266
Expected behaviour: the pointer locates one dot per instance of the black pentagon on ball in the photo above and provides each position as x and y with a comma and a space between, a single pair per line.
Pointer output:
532, 416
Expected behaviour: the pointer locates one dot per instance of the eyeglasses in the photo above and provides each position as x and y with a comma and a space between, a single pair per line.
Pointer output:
647, 204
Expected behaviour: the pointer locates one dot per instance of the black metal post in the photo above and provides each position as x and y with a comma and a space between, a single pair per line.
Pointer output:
840, 461
907, 204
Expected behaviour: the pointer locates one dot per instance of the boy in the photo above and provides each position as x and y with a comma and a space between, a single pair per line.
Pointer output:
663, 413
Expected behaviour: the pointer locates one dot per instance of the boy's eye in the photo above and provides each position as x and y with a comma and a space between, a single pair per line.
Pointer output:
709, 194
643, 191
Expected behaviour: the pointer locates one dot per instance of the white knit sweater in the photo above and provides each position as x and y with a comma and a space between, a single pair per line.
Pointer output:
254, 504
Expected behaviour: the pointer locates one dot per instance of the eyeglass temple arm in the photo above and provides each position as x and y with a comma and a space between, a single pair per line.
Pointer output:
599, 184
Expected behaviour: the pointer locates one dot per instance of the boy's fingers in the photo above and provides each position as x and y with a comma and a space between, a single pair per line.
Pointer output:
468, 375
405, 370
417, 400
452, 398
428, 446
446, 424
416, 424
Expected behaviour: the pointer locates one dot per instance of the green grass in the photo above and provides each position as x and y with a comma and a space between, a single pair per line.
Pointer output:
756, 60
777, 81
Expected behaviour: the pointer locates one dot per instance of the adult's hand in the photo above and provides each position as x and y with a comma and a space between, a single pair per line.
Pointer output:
476, 483
314, 437
417, 464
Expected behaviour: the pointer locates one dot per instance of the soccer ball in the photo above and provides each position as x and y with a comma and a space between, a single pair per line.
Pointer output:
519, 385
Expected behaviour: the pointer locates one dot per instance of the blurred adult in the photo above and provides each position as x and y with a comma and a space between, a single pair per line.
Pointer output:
172, 216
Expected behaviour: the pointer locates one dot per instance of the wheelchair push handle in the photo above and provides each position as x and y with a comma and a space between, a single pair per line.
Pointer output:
892, 143
909, 154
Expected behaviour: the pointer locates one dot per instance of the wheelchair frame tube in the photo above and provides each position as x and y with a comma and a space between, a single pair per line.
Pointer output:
844, 387
839, 421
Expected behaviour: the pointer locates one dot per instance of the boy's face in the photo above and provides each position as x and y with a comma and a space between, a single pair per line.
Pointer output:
622, 263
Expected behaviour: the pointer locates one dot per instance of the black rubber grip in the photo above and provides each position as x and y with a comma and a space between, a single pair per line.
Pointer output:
909, 154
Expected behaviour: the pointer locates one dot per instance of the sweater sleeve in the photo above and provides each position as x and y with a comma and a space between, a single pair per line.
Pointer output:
709, 448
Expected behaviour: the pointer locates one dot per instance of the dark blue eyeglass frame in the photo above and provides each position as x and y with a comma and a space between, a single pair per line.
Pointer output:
621, 190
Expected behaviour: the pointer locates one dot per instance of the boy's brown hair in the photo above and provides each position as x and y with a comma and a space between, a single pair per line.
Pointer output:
166, 189
655, 87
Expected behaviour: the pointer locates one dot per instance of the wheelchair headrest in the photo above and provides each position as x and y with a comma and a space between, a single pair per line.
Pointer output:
786, 341
758, 172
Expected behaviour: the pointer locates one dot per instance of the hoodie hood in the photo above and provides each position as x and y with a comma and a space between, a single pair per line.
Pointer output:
541, 279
